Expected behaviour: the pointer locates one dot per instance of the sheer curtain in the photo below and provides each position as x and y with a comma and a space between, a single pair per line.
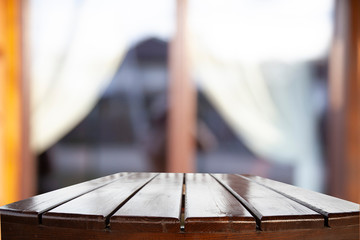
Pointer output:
75, 48
251, 58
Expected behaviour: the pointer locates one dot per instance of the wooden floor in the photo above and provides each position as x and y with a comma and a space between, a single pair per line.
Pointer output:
181, 206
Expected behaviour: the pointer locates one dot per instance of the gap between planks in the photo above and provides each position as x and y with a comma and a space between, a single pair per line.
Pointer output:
55, 206
107, 219
182, 210
246, 205
324, 214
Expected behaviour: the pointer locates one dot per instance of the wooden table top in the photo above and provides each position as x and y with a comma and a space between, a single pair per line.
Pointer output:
176, 205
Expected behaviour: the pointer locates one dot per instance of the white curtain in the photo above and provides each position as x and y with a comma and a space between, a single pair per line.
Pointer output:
250, 58
75, 48
270, 107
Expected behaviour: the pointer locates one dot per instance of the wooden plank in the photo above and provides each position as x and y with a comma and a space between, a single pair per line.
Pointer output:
91, 210
30, 210
338, 212
209, 207
155, 208
272, 210
148, 212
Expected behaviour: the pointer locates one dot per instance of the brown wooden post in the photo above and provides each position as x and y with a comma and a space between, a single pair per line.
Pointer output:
344, 104
182, 100
353, 107
16, 171
28, 161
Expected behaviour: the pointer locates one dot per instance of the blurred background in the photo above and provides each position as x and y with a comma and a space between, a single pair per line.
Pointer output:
91, 88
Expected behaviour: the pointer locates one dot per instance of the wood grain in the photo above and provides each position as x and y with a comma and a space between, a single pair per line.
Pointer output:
90, 210
272, 210
209, 207
338, 212
14, 231
155, 208
30, 210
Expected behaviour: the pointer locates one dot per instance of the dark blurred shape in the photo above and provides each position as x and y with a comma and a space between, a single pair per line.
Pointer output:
156, 139
152, 50
44, 171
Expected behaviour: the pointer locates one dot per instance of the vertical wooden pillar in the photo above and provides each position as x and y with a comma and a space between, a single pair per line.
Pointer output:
14, 147
182, 100
352, 127
28, 161
344, 104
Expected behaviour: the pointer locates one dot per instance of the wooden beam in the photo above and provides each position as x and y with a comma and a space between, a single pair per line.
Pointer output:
15, 183
28, 161
352, 128
182, 100
344, 103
